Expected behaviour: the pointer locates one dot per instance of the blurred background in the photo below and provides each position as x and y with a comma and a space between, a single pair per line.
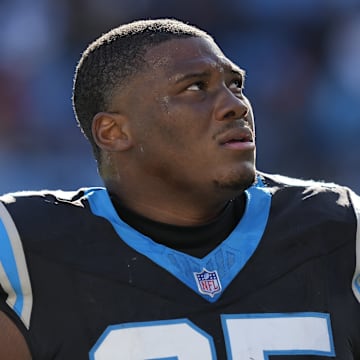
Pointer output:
302, 58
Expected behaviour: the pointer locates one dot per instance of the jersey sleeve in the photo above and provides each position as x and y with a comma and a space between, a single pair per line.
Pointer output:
15, 291
355, 199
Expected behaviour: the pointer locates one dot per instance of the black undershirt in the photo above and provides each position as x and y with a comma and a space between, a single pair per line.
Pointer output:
196, 241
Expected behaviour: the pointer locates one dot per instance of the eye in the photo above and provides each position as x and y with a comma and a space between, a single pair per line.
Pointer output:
237, 85
197, 86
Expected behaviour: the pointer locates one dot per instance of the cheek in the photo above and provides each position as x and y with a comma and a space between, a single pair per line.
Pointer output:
164, 104
174, 136
177, 125
174, 125
250, 115
192, 118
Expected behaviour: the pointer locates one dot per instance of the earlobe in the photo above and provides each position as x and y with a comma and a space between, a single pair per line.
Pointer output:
111, 132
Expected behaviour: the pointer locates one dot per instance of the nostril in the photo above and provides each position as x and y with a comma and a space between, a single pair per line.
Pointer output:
230, 114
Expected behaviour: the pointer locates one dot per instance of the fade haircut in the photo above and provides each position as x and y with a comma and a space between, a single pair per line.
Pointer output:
108, 62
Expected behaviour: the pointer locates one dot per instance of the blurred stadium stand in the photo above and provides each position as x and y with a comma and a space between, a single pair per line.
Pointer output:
302, 58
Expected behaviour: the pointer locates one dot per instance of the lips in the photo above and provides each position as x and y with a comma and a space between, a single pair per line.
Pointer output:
236, 135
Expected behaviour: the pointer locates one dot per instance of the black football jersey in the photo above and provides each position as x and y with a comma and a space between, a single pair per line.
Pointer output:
81, 283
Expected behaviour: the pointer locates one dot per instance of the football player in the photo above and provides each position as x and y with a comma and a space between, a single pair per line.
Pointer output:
188, 252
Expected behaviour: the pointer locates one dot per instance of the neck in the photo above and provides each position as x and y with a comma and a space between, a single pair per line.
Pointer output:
184, 209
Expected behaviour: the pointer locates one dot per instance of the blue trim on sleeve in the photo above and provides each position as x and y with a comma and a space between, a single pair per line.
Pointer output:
8, 262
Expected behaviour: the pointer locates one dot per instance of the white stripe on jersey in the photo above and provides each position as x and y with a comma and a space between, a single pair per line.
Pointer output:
14, 275
355, 199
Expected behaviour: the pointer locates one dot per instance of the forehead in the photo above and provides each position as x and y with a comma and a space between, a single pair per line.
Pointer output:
177, 57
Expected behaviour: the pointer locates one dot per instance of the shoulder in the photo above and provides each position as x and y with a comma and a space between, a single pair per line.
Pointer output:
278, 182
44, 197
319, 213
42, 215
44, 202
324, 217
38, 227
325, 198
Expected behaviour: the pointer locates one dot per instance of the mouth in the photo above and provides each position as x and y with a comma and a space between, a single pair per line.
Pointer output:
241, 140
237, 136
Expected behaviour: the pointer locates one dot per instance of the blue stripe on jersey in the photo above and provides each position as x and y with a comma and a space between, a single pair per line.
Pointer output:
8, 262
223, 263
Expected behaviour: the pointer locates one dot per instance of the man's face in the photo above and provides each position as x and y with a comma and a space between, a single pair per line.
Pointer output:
193, 128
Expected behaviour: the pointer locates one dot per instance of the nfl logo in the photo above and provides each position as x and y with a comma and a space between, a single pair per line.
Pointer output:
208, 282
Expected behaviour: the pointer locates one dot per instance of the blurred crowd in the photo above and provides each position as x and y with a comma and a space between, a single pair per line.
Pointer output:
302, 58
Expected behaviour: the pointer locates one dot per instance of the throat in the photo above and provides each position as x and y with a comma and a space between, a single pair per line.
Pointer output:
196, 240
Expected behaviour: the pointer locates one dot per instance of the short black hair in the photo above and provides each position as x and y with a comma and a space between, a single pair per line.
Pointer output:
111, 59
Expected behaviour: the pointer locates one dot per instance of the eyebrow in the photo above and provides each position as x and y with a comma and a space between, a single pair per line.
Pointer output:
238, 71
180, 78
203, 74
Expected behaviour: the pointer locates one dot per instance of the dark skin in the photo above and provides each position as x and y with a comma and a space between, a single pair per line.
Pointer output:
177, 144
170, 137
12, 343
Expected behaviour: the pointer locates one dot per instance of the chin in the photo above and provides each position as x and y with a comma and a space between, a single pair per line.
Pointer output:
238, 181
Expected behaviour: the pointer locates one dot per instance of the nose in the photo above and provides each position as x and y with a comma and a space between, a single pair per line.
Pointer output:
230, 106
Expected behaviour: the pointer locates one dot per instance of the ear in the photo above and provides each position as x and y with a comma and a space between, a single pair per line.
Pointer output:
111, 132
